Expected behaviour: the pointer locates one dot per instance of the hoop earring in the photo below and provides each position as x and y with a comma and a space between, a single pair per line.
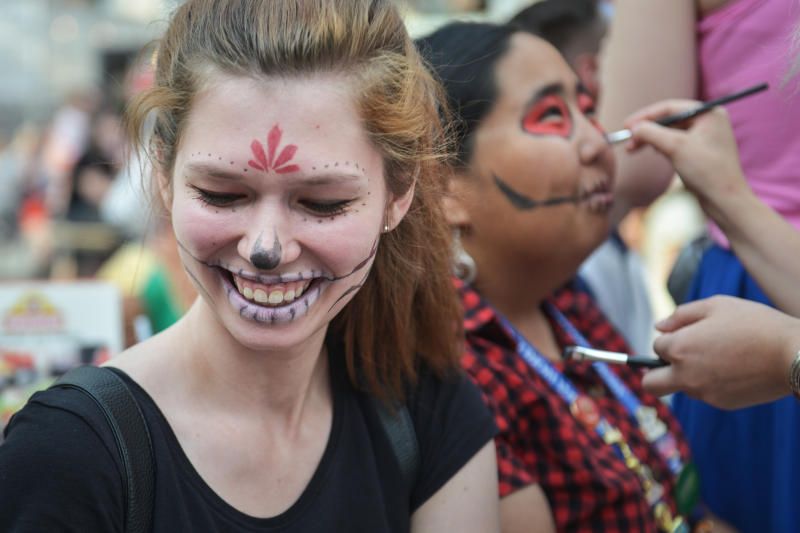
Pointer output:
464, 266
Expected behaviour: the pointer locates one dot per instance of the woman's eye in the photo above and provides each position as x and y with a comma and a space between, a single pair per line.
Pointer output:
586, 104
216, 199
549, 116
587, 107
325, 208
551, 113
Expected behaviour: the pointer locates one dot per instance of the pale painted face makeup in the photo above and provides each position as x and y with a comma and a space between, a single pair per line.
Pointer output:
278, 205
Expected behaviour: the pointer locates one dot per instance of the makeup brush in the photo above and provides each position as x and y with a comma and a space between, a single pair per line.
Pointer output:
581, 353
624, 135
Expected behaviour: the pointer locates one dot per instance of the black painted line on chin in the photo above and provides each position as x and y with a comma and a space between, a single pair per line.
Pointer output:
525, 203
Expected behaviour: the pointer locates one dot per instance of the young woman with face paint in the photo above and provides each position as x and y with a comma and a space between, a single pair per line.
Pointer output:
297, 153
581, 447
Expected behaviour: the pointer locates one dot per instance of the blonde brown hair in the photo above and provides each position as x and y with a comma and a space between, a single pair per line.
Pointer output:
407, 311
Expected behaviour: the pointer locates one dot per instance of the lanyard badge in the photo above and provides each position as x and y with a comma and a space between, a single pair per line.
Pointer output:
585, 410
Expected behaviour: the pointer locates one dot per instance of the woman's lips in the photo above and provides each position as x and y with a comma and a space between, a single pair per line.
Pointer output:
279, 313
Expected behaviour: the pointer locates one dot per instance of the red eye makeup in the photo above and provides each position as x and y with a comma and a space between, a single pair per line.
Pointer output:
548, 116
587, 107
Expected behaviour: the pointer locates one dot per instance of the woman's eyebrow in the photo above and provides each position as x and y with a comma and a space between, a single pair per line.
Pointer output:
213, 171
551, 88
326, 178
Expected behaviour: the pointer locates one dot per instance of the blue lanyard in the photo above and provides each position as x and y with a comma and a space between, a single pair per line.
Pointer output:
664, 445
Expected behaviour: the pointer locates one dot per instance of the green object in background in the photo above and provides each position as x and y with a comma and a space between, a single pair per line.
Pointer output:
159, 301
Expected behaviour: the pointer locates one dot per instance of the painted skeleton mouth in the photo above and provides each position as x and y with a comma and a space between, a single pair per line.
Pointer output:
598, 195
271, 295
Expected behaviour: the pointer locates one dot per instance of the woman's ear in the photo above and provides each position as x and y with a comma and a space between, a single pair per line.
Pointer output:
164, 188
398, 208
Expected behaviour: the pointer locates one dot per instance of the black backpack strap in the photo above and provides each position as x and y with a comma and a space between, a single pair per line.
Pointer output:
111, 394
400, 429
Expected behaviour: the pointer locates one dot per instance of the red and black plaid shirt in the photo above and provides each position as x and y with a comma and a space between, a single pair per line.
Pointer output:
587, 484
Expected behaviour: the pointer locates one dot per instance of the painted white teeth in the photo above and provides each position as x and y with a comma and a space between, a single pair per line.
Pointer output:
274, 298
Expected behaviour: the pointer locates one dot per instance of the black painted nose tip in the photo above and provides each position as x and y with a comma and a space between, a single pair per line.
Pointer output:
265, 259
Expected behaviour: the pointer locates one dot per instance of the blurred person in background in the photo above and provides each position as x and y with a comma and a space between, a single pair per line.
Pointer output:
750, 475
728, 352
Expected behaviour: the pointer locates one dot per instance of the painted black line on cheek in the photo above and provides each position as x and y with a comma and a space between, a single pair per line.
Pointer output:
523, 202
362, 264
266, 259
198, 284
349, 291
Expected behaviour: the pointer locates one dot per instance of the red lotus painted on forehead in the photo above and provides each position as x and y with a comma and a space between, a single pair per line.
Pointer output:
264, 161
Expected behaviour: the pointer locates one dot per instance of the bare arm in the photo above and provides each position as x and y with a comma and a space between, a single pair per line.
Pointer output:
648, 55
526, 511
706, 158
467, 503
725, 351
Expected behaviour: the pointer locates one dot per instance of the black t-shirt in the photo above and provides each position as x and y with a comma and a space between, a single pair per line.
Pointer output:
60, 471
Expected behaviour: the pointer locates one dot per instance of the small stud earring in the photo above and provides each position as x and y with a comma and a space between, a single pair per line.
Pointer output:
386, 228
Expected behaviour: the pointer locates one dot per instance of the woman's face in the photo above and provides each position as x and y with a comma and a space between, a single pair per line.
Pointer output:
538, 190
277, 200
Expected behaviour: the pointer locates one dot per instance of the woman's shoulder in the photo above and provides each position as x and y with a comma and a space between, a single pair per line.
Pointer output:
452, 424
58, 454
60, 424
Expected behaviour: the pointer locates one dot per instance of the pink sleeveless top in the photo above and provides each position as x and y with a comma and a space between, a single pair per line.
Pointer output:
741, 44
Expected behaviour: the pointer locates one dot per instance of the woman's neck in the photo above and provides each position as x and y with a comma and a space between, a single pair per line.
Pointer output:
533, 324
232, 378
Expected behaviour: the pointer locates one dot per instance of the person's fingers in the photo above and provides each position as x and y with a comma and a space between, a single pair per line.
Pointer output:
659, 381
684, 315
661, 109
662, 345
665, 140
